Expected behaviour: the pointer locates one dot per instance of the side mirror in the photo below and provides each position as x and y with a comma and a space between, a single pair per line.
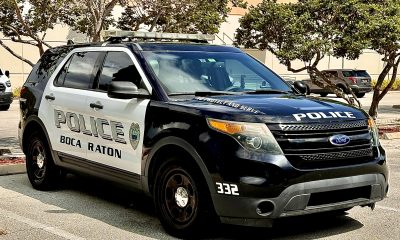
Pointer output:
300, 86
126, 90
7, 73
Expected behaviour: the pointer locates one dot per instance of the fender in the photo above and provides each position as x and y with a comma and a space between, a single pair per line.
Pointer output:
182, 144
36, 119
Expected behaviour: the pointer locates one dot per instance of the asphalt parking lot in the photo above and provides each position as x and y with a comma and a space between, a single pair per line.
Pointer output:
85, 208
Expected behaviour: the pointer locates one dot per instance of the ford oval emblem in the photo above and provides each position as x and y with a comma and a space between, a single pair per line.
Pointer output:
339, 140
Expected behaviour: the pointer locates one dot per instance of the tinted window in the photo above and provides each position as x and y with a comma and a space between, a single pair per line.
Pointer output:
356, 73
361, 73
78, 72
118, 66
47, 64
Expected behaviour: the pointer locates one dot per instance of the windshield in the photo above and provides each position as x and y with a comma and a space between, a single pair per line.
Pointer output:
191, 72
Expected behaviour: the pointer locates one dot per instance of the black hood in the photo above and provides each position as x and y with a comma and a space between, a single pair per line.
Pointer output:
273, 108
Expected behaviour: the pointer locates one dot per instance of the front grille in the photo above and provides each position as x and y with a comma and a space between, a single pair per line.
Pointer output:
2, 87
307, 146
322, 198
337, 156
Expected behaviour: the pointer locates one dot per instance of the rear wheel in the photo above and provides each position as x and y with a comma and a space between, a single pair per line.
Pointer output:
360, 95
4, 107
182, 199
42, 172
323, 94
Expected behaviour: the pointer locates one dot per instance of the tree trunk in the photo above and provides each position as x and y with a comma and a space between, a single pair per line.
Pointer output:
378, 96
373, 110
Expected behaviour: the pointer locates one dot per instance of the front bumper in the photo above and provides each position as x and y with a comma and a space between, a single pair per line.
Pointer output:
302, 198
6, 98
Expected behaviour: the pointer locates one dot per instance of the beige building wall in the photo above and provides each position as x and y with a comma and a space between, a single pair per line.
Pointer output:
19, 70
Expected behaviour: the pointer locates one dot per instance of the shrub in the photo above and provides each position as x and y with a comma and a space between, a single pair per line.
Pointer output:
16, 92
396, 85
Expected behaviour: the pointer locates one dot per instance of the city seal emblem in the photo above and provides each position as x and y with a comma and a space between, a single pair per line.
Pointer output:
134, 135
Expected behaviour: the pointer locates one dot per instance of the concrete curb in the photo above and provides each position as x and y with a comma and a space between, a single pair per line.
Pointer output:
390, 136
12, 164
12, 169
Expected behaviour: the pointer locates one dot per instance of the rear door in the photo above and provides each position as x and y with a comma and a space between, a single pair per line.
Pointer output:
63, 105
120, 121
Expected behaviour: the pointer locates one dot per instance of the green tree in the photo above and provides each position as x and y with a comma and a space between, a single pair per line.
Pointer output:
306, 32
382, 29
90, 16
184, 16
27, 21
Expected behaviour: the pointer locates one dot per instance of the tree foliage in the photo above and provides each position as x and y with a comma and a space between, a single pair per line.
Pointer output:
26, 22
188, 16
90, 17
306, 31
309, 30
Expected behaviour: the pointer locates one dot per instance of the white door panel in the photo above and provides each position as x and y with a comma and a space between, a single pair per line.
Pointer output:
64, 111
122, 144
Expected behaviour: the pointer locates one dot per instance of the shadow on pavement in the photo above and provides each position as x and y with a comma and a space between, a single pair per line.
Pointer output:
139, 210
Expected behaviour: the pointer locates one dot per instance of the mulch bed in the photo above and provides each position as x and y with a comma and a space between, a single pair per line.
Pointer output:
11, 160
388, 129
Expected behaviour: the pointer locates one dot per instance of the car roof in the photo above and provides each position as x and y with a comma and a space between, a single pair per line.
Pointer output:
344, 69
184, 46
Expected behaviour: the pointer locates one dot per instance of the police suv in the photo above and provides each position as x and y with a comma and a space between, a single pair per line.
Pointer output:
207, 131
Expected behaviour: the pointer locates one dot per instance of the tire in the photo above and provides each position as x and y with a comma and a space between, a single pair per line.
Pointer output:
42, 172
344, 89
360, 95
182, 201
4, 107
323, 94
308, 92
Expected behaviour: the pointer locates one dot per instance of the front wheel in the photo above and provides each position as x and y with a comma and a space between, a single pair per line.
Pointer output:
323, 94
4, 107
42, 172
181, 200
360, 95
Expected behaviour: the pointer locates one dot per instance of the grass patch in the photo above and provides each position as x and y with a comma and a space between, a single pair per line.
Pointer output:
17, 92
396, 85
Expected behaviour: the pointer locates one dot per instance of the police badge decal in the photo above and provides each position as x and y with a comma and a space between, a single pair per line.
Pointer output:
134, 135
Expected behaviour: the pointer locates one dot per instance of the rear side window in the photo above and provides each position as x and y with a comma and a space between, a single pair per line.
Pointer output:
78, 71
47, 64
118, 66
356, 73
359, 73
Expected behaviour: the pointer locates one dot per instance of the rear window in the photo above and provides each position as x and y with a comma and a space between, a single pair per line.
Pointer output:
356, 73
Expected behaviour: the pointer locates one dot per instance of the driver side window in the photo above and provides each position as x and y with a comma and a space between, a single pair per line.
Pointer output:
118, 66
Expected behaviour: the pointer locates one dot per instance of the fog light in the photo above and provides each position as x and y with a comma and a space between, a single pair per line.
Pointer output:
253, 180
265, 208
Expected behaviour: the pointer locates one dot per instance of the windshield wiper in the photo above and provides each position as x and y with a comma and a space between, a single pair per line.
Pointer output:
204, 93
266, 91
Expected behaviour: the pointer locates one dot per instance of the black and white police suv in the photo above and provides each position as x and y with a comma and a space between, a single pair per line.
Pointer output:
206, 130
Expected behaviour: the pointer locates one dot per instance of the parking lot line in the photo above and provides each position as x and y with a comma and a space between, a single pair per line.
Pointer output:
35, 224
388, 208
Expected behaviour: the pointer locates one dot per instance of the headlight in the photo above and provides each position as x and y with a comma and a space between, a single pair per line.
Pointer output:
374, 131
252, 136
8, 83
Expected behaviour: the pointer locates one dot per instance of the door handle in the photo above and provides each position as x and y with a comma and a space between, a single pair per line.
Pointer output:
96, 105
50, 97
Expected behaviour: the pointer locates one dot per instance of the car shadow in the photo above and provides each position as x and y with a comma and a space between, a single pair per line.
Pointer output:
143, 220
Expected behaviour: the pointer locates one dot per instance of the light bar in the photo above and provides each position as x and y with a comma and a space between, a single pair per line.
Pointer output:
106, 34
